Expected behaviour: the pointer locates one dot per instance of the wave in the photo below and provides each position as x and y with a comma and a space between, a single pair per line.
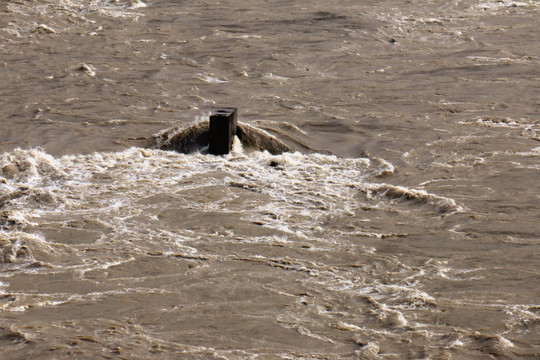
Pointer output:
443, 204
195, 138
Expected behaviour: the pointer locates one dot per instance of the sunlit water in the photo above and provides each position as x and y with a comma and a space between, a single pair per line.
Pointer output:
404, 223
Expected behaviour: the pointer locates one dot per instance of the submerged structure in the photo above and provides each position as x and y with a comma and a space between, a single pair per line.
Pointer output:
216, 136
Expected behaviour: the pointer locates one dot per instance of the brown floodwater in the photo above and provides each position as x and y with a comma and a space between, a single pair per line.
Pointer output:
403, 224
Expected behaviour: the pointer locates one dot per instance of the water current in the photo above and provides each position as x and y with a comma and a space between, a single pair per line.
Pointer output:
404, 222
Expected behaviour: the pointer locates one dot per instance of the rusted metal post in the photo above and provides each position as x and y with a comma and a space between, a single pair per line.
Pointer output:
222, 130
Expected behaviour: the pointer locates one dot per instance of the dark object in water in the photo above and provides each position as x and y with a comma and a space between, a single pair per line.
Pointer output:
222, 130
196, 138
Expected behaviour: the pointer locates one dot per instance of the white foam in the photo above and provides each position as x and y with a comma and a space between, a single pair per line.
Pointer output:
523, 315
135, 4
446, 205
77, 10
504, 5
272, 76
498, 60
126, 195
341, 325
88, 69
210, 78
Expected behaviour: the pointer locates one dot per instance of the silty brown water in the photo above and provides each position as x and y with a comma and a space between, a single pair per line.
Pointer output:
410, 232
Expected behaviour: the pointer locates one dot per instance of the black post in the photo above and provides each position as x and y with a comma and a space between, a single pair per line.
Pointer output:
222, 130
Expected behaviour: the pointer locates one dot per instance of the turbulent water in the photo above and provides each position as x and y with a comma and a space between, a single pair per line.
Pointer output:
403, 224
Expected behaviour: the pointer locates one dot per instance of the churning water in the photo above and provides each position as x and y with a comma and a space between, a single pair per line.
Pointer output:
403, 224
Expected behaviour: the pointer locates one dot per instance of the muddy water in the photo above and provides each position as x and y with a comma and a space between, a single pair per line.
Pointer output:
410, 231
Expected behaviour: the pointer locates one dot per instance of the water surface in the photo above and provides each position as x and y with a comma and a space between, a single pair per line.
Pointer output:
408, 231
